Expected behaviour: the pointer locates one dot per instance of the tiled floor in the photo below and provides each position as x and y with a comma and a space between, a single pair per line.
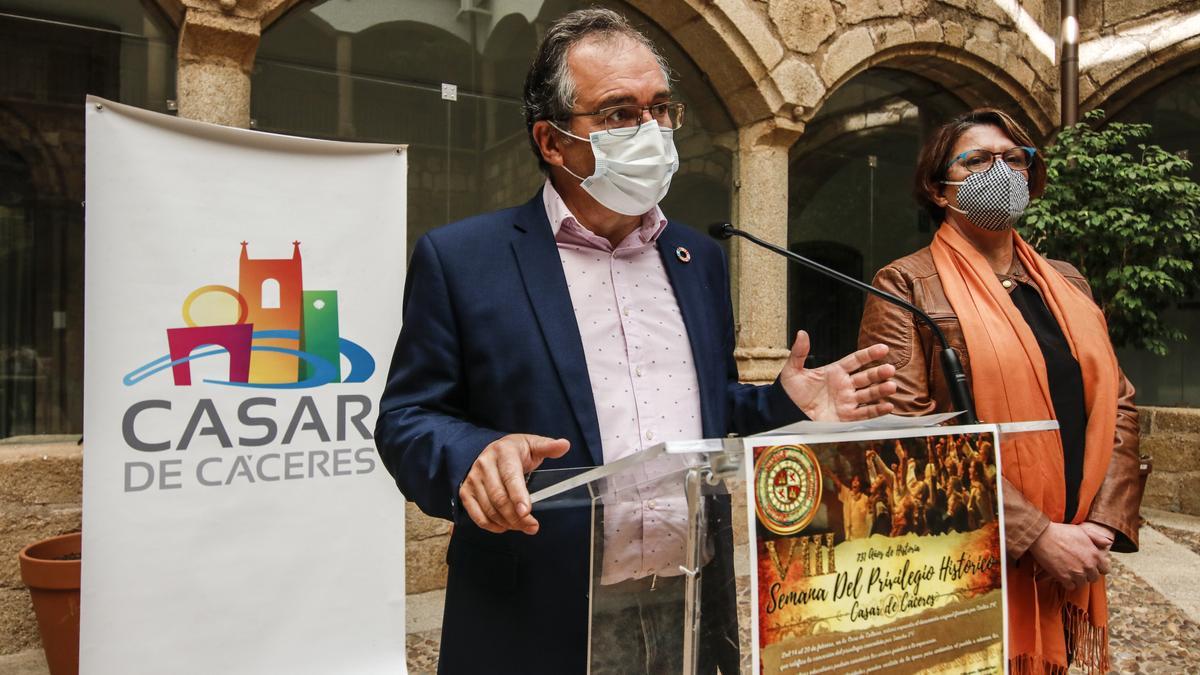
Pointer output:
1188, 539
422, 652
1148, 634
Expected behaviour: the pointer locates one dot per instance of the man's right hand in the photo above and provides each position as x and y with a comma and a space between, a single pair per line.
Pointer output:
494, 492
1069, 555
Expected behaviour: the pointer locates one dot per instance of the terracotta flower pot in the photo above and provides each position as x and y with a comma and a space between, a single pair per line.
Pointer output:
50, 568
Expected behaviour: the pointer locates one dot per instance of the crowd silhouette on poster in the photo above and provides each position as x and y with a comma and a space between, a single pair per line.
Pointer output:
923, 486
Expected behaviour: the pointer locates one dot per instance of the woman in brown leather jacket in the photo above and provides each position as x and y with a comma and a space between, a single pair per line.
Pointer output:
1034, 346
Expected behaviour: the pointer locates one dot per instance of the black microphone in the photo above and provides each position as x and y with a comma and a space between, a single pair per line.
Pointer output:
956, 379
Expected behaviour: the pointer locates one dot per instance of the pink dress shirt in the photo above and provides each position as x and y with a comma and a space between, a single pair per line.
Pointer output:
643, 381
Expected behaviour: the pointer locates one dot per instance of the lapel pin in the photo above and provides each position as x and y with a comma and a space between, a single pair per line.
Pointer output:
683, 255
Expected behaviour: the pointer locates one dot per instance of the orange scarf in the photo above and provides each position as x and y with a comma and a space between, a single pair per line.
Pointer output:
1008, 375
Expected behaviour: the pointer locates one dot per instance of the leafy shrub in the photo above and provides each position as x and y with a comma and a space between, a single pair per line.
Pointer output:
1125, 214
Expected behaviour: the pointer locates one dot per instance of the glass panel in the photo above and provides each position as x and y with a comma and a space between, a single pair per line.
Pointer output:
849, 197
642, 531
639, 551
52, 54
1168, 380
1173, 108
373, 71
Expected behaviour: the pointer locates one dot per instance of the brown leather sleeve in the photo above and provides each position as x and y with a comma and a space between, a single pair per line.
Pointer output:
1118, 503
1023, 522
895, 327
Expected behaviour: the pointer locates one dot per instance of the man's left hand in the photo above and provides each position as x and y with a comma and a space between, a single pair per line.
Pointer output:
839, 391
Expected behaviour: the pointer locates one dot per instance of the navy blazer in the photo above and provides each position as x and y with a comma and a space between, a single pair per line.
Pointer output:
489, 346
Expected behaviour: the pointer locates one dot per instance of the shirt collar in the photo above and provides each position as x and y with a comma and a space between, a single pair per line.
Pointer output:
565, 225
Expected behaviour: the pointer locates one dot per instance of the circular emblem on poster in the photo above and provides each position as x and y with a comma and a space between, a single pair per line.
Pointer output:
787, 488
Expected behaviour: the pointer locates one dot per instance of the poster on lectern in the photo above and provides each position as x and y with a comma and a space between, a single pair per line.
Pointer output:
877, 552
242, 297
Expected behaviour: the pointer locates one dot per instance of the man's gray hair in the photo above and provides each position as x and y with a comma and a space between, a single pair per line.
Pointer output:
549, 88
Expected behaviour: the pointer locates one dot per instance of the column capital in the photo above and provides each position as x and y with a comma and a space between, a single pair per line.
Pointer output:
216, 54
218, 40
772, 132
759, 365
216, 37
261, 12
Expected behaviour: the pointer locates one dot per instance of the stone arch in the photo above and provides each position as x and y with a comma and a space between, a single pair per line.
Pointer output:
264, 12
731, 43
445, 56
509, 48
733, 46
1131, 78
977, 81
511, 33
850, 172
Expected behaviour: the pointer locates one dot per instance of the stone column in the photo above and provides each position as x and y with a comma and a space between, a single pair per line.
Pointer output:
759, 276
217, 43
216, 52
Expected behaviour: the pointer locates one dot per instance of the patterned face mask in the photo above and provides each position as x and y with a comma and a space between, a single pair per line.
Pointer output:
992, 200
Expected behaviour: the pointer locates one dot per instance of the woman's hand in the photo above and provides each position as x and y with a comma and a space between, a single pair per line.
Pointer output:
1101, 535
1069, 555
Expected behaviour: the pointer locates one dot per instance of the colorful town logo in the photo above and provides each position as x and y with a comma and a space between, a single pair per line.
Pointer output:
277, 334
787, 488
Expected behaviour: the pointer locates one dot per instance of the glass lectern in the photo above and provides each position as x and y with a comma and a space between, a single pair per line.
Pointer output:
663, 580
820, 549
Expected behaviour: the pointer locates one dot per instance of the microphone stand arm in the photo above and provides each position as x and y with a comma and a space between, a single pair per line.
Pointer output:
956, 378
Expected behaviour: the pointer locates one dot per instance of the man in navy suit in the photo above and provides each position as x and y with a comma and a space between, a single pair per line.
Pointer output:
571, 331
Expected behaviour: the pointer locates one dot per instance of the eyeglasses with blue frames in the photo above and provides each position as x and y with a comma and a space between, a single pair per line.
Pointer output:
980, 160
625, 120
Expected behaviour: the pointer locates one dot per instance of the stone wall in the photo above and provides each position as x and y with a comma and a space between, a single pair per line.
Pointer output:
425, 555
1129, 46
783, 58
40, 496
1171, 436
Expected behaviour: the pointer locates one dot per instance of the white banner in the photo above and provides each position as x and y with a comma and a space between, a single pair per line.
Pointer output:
243, 297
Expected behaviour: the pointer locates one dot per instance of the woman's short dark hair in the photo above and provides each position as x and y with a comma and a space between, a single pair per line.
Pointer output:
549, 87
935, 155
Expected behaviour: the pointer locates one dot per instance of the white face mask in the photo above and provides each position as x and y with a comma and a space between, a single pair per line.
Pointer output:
633, 173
